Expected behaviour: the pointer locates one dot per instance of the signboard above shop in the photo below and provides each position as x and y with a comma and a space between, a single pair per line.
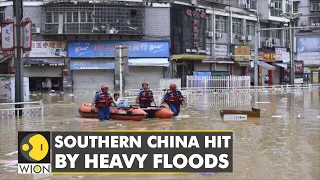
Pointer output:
268, 56
241, 52
102, 49
49, 49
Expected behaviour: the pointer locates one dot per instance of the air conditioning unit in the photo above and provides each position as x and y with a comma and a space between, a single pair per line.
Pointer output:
36, 30
274, 41
249, 37
272, 5
209, 34
242, 38
218, 35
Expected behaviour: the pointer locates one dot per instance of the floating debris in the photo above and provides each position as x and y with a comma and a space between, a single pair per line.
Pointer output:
207, 173
276, 152
71, 94
12, 153
262, 102
8, 162
276, 116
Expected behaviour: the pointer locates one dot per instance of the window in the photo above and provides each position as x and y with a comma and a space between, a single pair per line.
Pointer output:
221, 24
209, 22
89, 17
253, 4
236, 26
277, 9
295, 6
288, 5
2, 17
69, 16
251, 25
75, 16
83, 16
55, 17
275, 33
315, 7
315, 21
48, 17
264, 33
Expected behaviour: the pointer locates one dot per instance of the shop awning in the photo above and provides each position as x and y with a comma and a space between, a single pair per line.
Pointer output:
149, 62
285, 66
189, 57
244, 63
217, 61
266, 65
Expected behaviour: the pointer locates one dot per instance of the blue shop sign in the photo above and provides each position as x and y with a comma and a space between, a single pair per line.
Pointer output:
102, 49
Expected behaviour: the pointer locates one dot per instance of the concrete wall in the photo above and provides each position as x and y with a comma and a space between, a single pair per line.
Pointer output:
32, 12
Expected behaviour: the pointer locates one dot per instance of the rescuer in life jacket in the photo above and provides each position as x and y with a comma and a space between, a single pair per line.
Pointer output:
145, 96
174, 99
102, 102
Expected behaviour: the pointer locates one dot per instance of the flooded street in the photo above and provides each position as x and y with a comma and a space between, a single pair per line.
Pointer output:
283, 144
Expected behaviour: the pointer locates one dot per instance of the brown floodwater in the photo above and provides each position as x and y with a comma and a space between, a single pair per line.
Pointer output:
283, 144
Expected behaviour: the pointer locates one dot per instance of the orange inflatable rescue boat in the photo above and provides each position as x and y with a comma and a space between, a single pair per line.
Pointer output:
158, 112
116, 113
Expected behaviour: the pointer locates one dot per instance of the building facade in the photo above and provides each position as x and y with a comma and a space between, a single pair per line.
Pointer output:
165, 38
307, 40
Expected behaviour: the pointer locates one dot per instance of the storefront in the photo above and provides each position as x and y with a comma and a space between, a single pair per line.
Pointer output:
188, 41
92, 62
308, 51
266, 69
44, 63
282, 62
218, 60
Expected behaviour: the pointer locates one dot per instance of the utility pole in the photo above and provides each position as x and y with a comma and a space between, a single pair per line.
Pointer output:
291, 16
18, 63
256, 55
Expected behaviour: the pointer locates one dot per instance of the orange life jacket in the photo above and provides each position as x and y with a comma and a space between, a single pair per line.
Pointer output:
105, 100
146, 97
174, 97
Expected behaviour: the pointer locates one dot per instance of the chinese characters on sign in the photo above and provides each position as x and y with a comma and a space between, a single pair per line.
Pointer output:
47, 49
7, 34
242, 53
197, 16
27, 35
269, 57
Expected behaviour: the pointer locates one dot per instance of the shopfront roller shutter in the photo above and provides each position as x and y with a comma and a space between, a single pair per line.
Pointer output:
139, 74
44, 71
92, 80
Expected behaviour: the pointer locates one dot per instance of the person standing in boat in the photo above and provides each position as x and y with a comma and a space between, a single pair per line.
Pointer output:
102, 102
174, 99
119, 102
145, 96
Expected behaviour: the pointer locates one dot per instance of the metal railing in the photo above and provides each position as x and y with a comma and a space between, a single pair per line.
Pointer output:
218, 81
10, 110
159, 93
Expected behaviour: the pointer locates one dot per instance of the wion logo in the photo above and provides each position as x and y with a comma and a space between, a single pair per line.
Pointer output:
34, 152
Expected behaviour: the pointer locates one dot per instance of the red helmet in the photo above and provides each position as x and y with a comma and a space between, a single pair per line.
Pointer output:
104, 87
145, 83
173, 86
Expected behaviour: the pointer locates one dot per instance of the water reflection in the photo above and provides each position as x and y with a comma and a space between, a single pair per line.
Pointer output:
279, 145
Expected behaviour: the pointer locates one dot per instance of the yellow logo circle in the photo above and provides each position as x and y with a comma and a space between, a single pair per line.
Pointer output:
34, 147
37, 169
